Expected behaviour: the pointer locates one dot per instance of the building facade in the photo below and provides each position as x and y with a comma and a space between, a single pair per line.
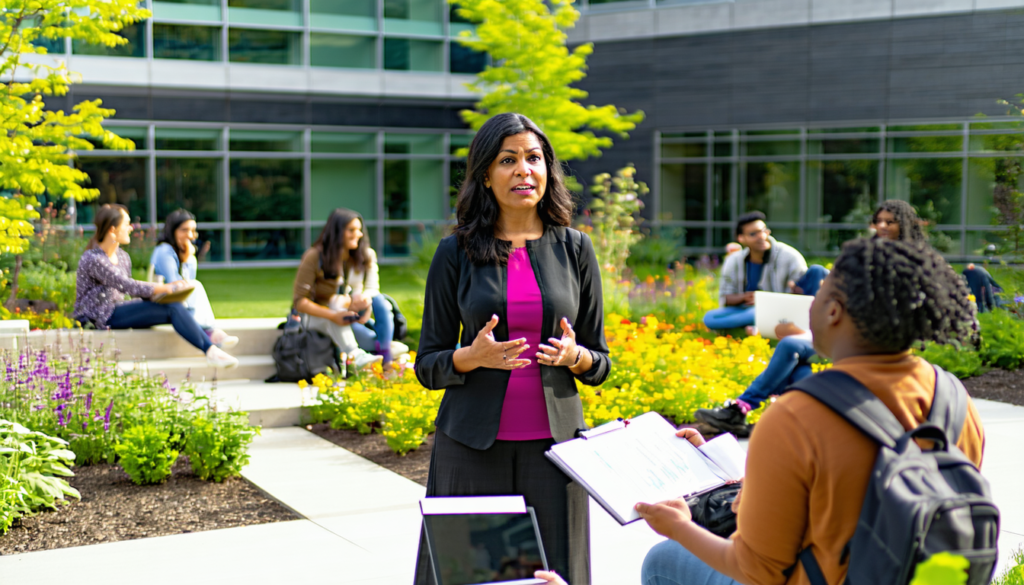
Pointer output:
260, 116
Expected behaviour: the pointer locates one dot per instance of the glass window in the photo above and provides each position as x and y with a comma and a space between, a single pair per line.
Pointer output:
410, 55
456, 176
458, 142
852, 146
273, 47
187, 139
986, 243
343, 183
413, 144
262, 141
723, 149
456, 23
841, 191
671, 135
397, 241
266, 244
722, 236
768, 132
414, 189
135, 47
207, 10
774, 188
695, 237
465, 60
991, 182
337, 142
721, 192
195, 43
683, 192
266, 190
188, 183
925, 128
343, 14
1016, 125
414, 17
945, 242
215, 238
926, 144
119, 180
773, 148
817, 241
850, 130
274, 12
931, 185
996, 143
51, 45
687, 150
133, 133
326, 50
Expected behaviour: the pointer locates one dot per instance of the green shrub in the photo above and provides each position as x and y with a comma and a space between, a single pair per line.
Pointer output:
146, 454
32, 468
48, 281
1002, 340
960, 361
218, 446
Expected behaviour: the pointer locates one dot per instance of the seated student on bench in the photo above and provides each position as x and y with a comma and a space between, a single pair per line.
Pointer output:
765, 264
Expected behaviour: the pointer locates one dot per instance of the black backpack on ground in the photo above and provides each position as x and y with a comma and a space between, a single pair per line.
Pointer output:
301, 354
401, 323
918, 502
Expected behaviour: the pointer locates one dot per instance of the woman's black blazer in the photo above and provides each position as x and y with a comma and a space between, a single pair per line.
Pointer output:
460, 293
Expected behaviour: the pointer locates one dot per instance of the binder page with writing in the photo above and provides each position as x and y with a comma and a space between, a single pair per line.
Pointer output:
644, 462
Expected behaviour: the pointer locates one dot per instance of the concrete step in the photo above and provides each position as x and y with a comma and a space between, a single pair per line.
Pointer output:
269, 405
255, 337
250, 367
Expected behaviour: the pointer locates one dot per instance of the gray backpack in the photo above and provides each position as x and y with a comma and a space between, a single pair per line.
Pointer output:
918, 502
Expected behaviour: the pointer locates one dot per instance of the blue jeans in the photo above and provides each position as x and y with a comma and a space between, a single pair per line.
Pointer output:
668, 563
729, 317
145, 314
378, 338
788, 365
810, 282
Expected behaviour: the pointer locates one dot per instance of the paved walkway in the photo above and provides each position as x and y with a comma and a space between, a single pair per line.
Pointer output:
362, 525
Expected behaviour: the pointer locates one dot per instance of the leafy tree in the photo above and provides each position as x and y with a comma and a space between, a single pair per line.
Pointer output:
36, 145
533, 72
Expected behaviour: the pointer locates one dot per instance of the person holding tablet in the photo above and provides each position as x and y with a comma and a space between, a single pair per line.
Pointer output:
525, 290
105, 277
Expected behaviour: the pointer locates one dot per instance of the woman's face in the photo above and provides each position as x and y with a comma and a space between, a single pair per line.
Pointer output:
518, 176
886, 225
353, 233
123, 233
185, 233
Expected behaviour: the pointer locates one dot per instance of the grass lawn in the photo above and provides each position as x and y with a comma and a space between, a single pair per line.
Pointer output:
267, 292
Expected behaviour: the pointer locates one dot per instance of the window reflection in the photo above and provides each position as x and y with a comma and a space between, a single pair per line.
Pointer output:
683, 192
271, 47
195, 43
465, 60
843, 191
266, 190
326, 50
119, 180
188, 183
932, 185
773, 188
412, 55
266, 244
135, 47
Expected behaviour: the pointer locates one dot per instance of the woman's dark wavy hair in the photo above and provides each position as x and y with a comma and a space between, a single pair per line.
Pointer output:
902, 293
108, 216
910, 223
477, 209
171, 225
330, 241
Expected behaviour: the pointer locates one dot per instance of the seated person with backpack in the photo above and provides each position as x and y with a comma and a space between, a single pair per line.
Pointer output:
340, 249
809, 471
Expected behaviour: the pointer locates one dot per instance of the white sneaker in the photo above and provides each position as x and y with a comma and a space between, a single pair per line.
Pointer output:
223, 340
398, 348
218, 358
365, 359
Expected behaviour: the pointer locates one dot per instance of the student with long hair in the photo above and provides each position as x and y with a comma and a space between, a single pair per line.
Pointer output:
339, 257
105, 277
525, 290
174, 259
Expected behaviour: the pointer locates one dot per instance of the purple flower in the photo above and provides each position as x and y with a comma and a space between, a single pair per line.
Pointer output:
60, 419
85, 426
39, 407
106, 417
88, 401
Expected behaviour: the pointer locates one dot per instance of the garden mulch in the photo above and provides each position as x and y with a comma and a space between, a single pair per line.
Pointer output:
1000, 385
113, 508
413, 465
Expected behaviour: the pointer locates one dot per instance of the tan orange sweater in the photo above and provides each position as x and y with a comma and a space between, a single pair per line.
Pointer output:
808, 470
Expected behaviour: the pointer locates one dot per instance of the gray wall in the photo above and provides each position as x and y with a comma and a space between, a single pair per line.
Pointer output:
918, 68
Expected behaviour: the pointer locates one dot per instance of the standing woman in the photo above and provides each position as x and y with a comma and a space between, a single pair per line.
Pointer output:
105, 277
526, 290
174, 259
340, 249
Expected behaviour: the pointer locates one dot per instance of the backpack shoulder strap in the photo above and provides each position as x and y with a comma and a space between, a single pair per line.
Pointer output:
949, 406
855, 403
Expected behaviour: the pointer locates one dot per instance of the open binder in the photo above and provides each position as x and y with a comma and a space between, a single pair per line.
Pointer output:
641, 460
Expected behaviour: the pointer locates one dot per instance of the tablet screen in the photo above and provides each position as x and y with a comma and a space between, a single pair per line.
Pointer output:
484, 548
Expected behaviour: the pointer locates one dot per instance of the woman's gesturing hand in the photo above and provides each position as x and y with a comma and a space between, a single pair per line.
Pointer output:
500, 355
561, 352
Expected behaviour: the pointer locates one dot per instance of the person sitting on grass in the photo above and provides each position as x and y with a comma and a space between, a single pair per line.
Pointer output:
790, 362
105, 277
174, 259
765, 264
807, 469
341, 247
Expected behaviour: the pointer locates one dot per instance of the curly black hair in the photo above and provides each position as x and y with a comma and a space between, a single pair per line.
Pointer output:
906, 216
902, 293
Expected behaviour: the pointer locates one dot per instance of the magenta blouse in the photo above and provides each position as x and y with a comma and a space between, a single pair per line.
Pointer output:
524, 414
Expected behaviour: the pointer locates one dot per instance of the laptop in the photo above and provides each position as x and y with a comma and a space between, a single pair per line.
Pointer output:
486, 539
772, 309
